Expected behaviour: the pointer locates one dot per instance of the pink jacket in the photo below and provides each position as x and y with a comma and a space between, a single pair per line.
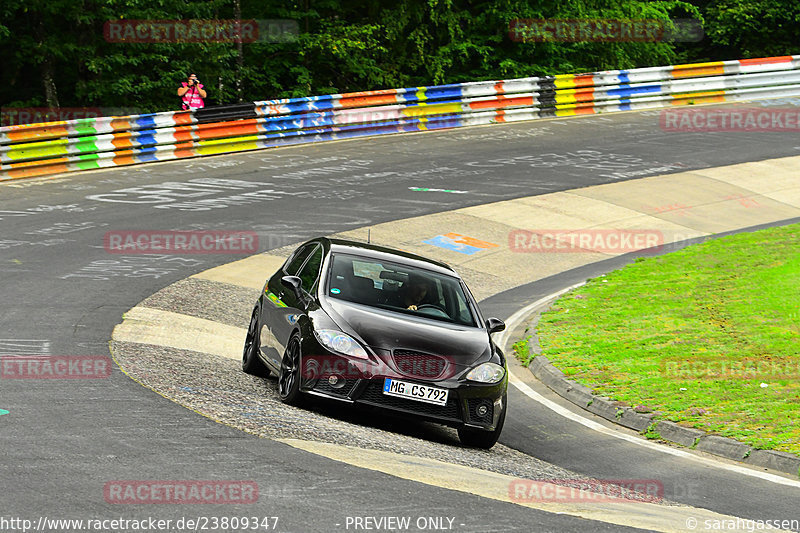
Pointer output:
192, 97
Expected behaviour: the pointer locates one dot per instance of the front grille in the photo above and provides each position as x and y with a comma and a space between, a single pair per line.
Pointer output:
419, 365
473, 404
374, 395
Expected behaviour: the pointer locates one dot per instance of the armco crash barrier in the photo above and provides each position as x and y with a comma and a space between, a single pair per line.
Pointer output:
55, 147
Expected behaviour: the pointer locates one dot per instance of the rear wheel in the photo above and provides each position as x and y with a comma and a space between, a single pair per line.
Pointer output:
289, 378
251, 363
478, 438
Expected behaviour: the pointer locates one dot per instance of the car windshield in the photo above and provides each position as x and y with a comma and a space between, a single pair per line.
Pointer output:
399, 288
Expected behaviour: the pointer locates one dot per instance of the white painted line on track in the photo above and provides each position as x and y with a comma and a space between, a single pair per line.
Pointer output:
514, 320
649, 516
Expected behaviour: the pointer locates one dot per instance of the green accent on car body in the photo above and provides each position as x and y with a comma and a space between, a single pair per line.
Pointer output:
274, 299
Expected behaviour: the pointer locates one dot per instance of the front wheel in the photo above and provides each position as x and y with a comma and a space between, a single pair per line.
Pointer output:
289, 378
478, 438
251, 363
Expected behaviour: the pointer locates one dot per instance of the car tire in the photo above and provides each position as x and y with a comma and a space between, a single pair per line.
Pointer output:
251, 363
289, 376
479, 438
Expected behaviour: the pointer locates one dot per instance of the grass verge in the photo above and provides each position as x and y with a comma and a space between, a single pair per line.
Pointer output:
523, 351
708, 337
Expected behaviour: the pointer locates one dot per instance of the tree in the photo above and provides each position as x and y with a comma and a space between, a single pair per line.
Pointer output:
55, 52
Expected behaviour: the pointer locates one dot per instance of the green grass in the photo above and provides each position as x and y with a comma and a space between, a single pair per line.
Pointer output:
522, 350
708, 336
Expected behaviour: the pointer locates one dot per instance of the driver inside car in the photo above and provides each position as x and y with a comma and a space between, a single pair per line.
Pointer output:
413, 292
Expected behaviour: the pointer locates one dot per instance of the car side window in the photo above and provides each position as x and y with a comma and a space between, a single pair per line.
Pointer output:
310, 271
463, 310
297, 260
437, 297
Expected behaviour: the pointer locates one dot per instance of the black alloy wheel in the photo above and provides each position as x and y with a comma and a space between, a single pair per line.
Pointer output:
289, 378
251, 363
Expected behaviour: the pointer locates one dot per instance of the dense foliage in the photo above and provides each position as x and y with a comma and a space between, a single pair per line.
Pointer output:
55, 54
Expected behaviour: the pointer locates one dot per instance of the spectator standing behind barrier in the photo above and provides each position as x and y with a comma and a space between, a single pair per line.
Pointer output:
191, 93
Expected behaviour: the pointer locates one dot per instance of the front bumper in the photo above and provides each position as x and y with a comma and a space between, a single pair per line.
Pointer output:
361, 383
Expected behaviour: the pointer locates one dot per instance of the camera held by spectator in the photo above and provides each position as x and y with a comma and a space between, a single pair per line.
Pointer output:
192, 93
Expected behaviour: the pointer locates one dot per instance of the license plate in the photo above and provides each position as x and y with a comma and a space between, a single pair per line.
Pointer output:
415, 391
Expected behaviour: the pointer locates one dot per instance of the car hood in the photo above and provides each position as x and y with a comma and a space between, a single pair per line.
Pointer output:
385, 331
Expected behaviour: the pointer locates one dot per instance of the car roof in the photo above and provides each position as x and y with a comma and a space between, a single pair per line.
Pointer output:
373, 251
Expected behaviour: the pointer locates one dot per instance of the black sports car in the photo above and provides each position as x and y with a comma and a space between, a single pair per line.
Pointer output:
374, 326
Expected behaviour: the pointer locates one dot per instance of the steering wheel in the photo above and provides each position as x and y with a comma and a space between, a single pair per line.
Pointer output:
431, 306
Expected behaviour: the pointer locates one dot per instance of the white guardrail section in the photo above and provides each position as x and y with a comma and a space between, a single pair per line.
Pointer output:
57, 147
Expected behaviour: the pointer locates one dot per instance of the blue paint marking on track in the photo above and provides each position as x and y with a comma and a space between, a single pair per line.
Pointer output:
449, 244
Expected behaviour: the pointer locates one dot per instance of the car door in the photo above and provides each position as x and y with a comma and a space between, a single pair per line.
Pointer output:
273, 302
287, 315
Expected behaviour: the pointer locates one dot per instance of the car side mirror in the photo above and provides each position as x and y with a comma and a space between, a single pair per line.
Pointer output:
495, 324
294, 284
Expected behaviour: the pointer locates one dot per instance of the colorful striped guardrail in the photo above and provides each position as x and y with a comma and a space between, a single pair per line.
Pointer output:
57, 147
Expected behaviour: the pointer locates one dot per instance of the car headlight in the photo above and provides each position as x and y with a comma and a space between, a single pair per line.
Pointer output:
339, 342
487, 373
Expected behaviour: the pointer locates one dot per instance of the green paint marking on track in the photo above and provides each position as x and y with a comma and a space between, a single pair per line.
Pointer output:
3, 412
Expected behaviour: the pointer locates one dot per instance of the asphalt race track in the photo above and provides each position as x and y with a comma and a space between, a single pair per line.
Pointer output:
63, 293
